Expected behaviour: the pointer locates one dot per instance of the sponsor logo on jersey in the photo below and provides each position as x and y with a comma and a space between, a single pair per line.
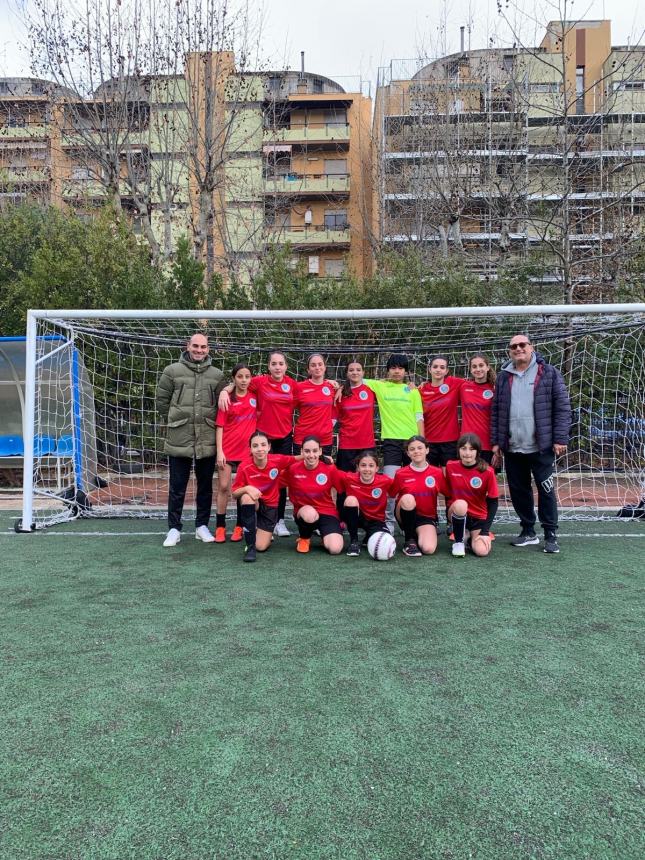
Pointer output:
444, 388
377, 492
326, 390
273, 473
476, 482
253, 402
488, 394
430, 481
363, 395
321, 479
285, 386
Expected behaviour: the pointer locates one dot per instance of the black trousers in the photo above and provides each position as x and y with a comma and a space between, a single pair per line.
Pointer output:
180, 468
520, 468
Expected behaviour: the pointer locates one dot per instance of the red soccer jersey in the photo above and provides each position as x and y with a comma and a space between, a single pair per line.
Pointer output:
471, 485
315, 405
356, 416
237, 423
275, 404
476, 406
372, 498
312, 486
425, 486
440, 417
266, 480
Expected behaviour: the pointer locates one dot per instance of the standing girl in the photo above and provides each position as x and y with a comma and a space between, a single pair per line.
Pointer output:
355, 414
472, 488
233, 429
440, 396
416, 488
476, 398
314, 400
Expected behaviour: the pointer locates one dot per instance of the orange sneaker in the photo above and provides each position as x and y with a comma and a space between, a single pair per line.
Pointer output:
238, 533
220, 534
302, 545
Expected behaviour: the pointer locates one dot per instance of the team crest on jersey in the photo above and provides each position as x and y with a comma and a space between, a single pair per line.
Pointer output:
444, 388
363, 395
321, 479
476, 482
430, 481
285, 386
253, 402
406, 388
273, 474
326, 390
377, 492
488, 394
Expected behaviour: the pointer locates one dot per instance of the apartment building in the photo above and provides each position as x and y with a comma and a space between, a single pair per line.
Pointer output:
239, 162
518, 155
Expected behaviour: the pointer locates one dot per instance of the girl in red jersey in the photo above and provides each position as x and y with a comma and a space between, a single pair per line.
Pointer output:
440, 397
310, 484
257, 489
416, 488
476, 398
232, 430
275, 395
314, 399
472, 487
355, 413
366, 499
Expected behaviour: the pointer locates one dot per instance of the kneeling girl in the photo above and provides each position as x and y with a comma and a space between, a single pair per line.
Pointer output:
366, 498
472, 487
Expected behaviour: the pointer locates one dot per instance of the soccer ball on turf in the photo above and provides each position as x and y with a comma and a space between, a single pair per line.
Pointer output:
381, 546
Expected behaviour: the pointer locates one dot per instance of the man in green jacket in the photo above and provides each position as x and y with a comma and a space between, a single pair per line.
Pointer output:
187, 401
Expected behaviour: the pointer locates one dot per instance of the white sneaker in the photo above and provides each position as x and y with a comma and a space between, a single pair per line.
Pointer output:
281, 529
459, 550
172, 538
203, 534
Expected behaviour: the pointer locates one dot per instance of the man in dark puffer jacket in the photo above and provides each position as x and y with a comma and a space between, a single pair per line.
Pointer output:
530, 423
187, 401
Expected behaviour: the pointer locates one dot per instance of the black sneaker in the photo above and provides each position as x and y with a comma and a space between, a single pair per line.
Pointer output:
410, 548
526, 538
550, 542
249, 553
354, 548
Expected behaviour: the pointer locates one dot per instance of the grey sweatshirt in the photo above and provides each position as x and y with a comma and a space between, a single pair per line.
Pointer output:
521, 422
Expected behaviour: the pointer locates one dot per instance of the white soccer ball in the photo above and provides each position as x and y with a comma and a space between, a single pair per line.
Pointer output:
381, 546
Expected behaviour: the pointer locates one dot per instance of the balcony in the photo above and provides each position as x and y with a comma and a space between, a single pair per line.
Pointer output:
23, 132
310, 236
307, 184
14, 175
318, 132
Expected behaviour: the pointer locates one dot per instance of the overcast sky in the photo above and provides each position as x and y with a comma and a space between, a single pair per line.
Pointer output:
348, 40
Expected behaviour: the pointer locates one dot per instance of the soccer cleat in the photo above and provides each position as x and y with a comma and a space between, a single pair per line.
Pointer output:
249, 553
458, 549
550, 542
172, 538
238, 534
203, 534
526, 538
281, 529
220, 534
354, 548
302, 545
411, 549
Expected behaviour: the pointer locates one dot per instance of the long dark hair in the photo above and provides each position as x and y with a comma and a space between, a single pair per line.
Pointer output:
491, 376
366, 452
475, 442
242, 365
347, 386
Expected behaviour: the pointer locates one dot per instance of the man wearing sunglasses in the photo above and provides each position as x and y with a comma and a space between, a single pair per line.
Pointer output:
530, 423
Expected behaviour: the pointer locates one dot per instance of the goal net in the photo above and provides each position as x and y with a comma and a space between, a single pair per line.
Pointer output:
94, 442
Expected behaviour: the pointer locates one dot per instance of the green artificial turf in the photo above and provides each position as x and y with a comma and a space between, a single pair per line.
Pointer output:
181, 705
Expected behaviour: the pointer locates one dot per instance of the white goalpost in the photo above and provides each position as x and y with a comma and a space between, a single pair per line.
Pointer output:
93, 443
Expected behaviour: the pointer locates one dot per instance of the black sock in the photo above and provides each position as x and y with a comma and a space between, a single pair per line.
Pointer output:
249, 523
238, 520
340, 505
409, 523
220, 521
458, 528
350, 515
305, 530
282, 504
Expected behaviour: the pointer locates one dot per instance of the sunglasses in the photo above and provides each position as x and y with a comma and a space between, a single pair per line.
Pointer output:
521, 345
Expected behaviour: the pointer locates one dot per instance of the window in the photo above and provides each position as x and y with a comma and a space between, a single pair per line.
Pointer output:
544, 88
80, 173
336, 166
452, 70
336, 117
4, 87
318, 86
507, 62
336, 219
580, 89
629, 86
335, 268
